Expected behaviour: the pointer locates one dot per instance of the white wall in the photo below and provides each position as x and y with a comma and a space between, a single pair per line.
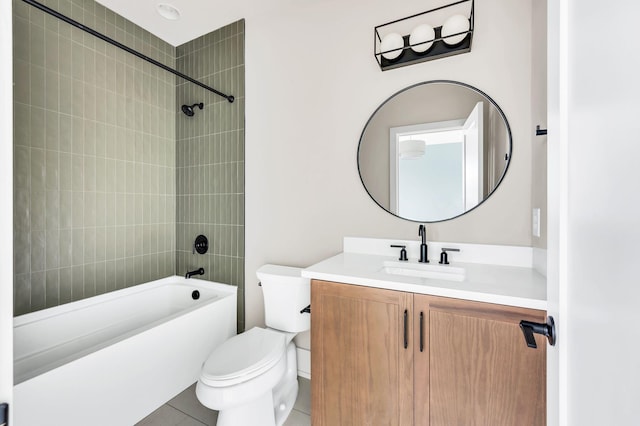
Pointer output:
539, 116
312, 82
6, 207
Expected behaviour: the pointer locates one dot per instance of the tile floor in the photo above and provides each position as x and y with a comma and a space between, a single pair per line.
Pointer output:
186, 410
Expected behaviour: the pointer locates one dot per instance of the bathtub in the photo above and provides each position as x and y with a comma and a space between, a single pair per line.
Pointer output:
114, 358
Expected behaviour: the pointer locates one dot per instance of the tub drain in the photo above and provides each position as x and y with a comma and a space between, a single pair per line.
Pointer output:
195, 295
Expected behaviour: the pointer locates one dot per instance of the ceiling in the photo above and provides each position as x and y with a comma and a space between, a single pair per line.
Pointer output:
197, 17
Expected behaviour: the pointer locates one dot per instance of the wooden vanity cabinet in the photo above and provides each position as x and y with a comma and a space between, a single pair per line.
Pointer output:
361, 372
478, 369
446, 362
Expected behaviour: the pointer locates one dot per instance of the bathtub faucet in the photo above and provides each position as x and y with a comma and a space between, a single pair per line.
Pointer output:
199, 271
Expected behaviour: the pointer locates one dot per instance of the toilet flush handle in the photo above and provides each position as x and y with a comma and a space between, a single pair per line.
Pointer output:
306, 310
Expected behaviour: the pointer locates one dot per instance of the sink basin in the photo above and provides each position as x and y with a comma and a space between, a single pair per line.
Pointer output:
424, 270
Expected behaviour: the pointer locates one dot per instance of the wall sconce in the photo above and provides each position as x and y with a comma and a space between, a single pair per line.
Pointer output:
434, 34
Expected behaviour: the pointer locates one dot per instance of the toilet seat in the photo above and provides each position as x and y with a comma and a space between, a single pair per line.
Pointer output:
243, 357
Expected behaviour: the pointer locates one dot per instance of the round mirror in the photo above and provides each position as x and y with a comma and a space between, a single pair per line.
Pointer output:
434, 151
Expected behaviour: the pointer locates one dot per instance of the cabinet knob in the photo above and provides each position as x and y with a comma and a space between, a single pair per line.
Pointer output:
548, 330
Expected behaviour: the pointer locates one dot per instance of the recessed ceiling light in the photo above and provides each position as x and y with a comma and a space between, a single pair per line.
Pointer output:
168, 12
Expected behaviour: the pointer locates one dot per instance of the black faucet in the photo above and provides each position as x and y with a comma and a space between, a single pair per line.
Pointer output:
199, 271
403, 251
422, 232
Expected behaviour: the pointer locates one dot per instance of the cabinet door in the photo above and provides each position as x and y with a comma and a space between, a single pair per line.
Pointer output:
362, 372
477, 369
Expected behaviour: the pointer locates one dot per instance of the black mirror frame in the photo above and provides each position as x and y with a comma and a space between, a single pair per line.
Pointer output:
468, 86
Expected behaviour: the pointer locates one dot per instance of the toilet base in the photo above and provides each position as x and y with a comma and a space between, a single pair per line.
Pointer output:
286, 391
265, 400
271, 408
258, 412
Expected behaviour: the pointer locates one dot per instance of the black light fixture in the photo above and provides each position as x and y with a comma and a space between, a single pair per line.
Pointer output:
188, 110
418, 38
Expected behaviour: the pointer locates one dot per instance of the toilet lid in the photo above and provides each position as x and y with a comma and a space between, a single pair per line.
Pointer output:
243, 357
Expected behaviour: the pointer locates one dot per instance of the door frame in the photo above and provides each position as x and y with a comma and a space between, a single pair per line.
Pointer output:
557, 211
6, 208
474, 157
394, 151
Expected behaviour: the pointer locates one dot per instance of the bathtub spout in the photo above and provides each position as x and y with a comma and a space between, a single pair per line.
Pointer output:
199, 271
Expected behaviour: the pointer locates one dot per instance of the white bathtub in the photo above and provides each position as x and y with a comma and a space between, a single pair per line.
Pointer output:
114, 358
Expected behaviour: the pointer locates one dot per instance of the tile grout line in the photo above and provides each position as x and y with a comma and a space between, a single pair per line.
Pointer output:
186, 414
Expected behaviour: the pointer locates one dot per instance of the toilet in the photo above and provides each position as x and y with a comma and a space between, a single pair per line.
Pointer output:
252, 378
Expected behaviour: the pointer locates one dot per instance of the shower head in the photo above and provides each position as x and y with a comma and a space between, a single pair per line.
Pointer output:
188, 110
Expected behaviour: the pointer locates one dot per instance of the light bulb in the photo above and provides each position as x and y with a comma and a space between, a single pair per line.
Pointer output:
391, 42
421, 38
454, 25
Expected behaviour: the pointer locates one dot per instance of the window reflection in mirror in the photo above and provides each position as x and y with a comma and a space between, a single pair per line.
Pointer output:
434, 151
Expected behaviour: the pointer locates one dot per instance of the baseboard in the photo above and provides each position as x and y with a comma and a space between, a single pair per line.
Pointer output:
304, 363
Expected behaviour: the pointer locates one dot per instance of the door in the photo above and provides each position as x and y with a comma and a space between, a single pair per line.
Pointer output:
473, 130
362, 368
594, 236
475, 367
6, 209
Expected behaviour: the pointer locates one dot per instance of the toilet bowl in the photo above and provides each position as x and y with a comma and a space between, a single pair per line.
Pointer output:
251, 379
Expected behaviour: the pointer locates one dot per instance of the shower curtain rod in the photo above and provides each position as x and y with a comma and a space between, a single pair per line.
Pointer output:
109, 40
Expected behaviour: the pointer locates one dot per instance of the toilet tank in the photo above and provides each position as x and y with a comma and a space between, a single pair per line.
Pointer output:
286, 293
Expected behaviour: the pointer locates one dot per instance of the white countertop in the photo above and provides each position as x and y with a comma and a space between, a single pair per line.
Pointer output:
505, 285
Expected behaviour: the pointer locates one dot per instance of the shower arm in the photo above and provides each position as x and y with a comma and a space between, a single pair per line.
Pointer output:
109, 40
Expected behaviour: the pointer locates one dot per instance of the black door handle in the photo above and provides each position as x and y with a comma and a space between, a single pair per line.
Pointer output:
548, 330
4, 414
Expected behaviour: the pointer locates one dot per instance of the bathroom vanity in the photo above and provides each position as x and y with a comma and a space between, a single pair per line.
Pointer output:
397, 349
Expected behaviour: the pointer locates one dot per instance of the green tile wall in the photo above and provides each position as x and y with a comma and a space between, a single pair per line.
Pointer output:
210, 158
94, 160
